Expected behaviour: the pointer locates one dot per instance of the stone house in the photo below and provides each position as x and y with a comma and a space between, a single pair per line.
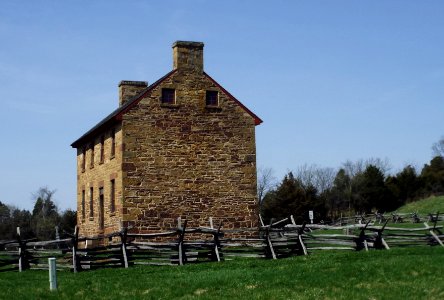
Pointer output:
180, 147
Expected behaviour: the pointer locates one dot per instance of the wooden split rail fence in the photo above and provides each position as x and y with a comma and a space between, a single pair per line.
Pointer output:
184, 245
392, 217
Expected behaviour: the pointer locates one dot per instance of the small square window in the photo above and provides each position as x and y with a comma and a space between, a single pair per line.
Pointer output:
211, 98
168, 96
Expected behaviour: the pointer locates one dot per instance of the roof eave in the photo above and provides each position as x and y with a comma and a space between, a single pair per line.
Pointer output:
117, 115
257, 120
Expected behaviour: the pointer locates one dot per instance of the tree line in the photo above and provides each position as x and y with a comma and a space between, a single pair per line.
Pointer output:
364, 186
41, 223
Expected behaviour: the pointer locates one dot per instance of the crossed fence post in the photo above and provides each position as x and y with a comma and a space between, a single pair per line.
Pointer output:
361, 241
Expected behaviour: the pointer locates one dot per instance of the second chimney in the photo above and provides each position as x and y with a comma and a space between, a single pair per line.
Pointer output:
129, 89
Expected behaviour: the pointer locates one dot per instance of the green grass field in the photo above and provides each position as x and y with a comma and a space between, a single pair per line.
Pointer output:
410, 273
428, 205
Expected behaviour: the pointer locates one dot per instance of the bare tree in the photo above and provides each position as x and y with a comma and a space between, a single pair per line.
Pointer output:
265, 182
324, 178
438, 147
382, 164
43, 201
306, 175
315, 176
354, 168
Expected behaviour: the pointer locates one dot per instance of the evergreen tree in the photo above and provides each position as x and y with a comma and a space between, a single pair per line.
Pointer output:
373, 194
22, 219
5, 222
292, 198
404, 186
340, 194
432, 176
68, 221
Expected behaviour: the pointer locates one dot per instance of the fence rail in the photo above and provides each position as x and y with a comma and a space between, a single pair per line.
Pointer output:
183, 245
393, 217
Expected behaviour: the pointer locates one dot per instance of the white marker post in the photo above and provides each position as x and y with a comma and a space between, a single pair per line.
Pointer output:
52, 274
311, 216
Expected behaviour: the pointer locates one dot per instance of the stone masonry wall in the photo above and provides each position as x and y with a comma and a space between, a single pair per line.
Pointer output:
100, 175
188, 160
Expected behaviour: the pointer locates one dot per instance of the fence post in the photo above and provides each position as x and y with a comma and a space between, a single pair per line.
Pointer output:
19, 250
211, 222
23, 260
52, 273
379, 241
261, 221
75, 240
436, 220
300, 243
268, 240
361, 241
123, 240
431, 229
217, 243
57, 235
182, 256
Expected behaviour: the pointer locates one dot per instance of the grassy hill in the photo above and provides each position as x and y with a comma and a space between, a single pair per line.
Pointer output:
424, 206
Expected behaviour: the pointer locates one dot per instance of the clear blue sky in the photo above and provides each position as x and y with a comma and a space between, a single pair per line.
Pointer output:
332, 80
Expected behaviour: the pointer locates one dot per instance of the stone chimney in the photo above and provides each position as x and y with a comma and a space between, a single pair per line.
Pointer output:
188, 56
129, 89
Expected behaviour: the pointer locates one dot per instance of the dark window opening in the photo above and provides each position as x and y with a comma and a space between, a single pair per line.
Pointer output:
212, 98
83, 159
83, 205
101, 209
102, 149
112, 196
113, 142
168, 96
91, 203
92, 156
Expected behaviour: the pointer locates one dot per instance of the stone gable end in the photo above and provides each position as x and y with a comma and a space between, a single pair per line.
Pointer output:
188, 160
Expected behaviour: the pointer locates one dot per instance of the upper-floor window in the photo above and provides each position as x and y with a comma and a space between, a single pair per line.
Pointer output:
112, 196
83, 158
168, 96
102, 149
113, 142
91, 165
101, 209
83, 205
91, 202
212, 98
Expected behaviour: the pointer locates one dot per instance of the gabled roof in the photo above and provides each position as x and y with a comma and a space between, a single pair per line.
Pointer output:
116, 115
257, 120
